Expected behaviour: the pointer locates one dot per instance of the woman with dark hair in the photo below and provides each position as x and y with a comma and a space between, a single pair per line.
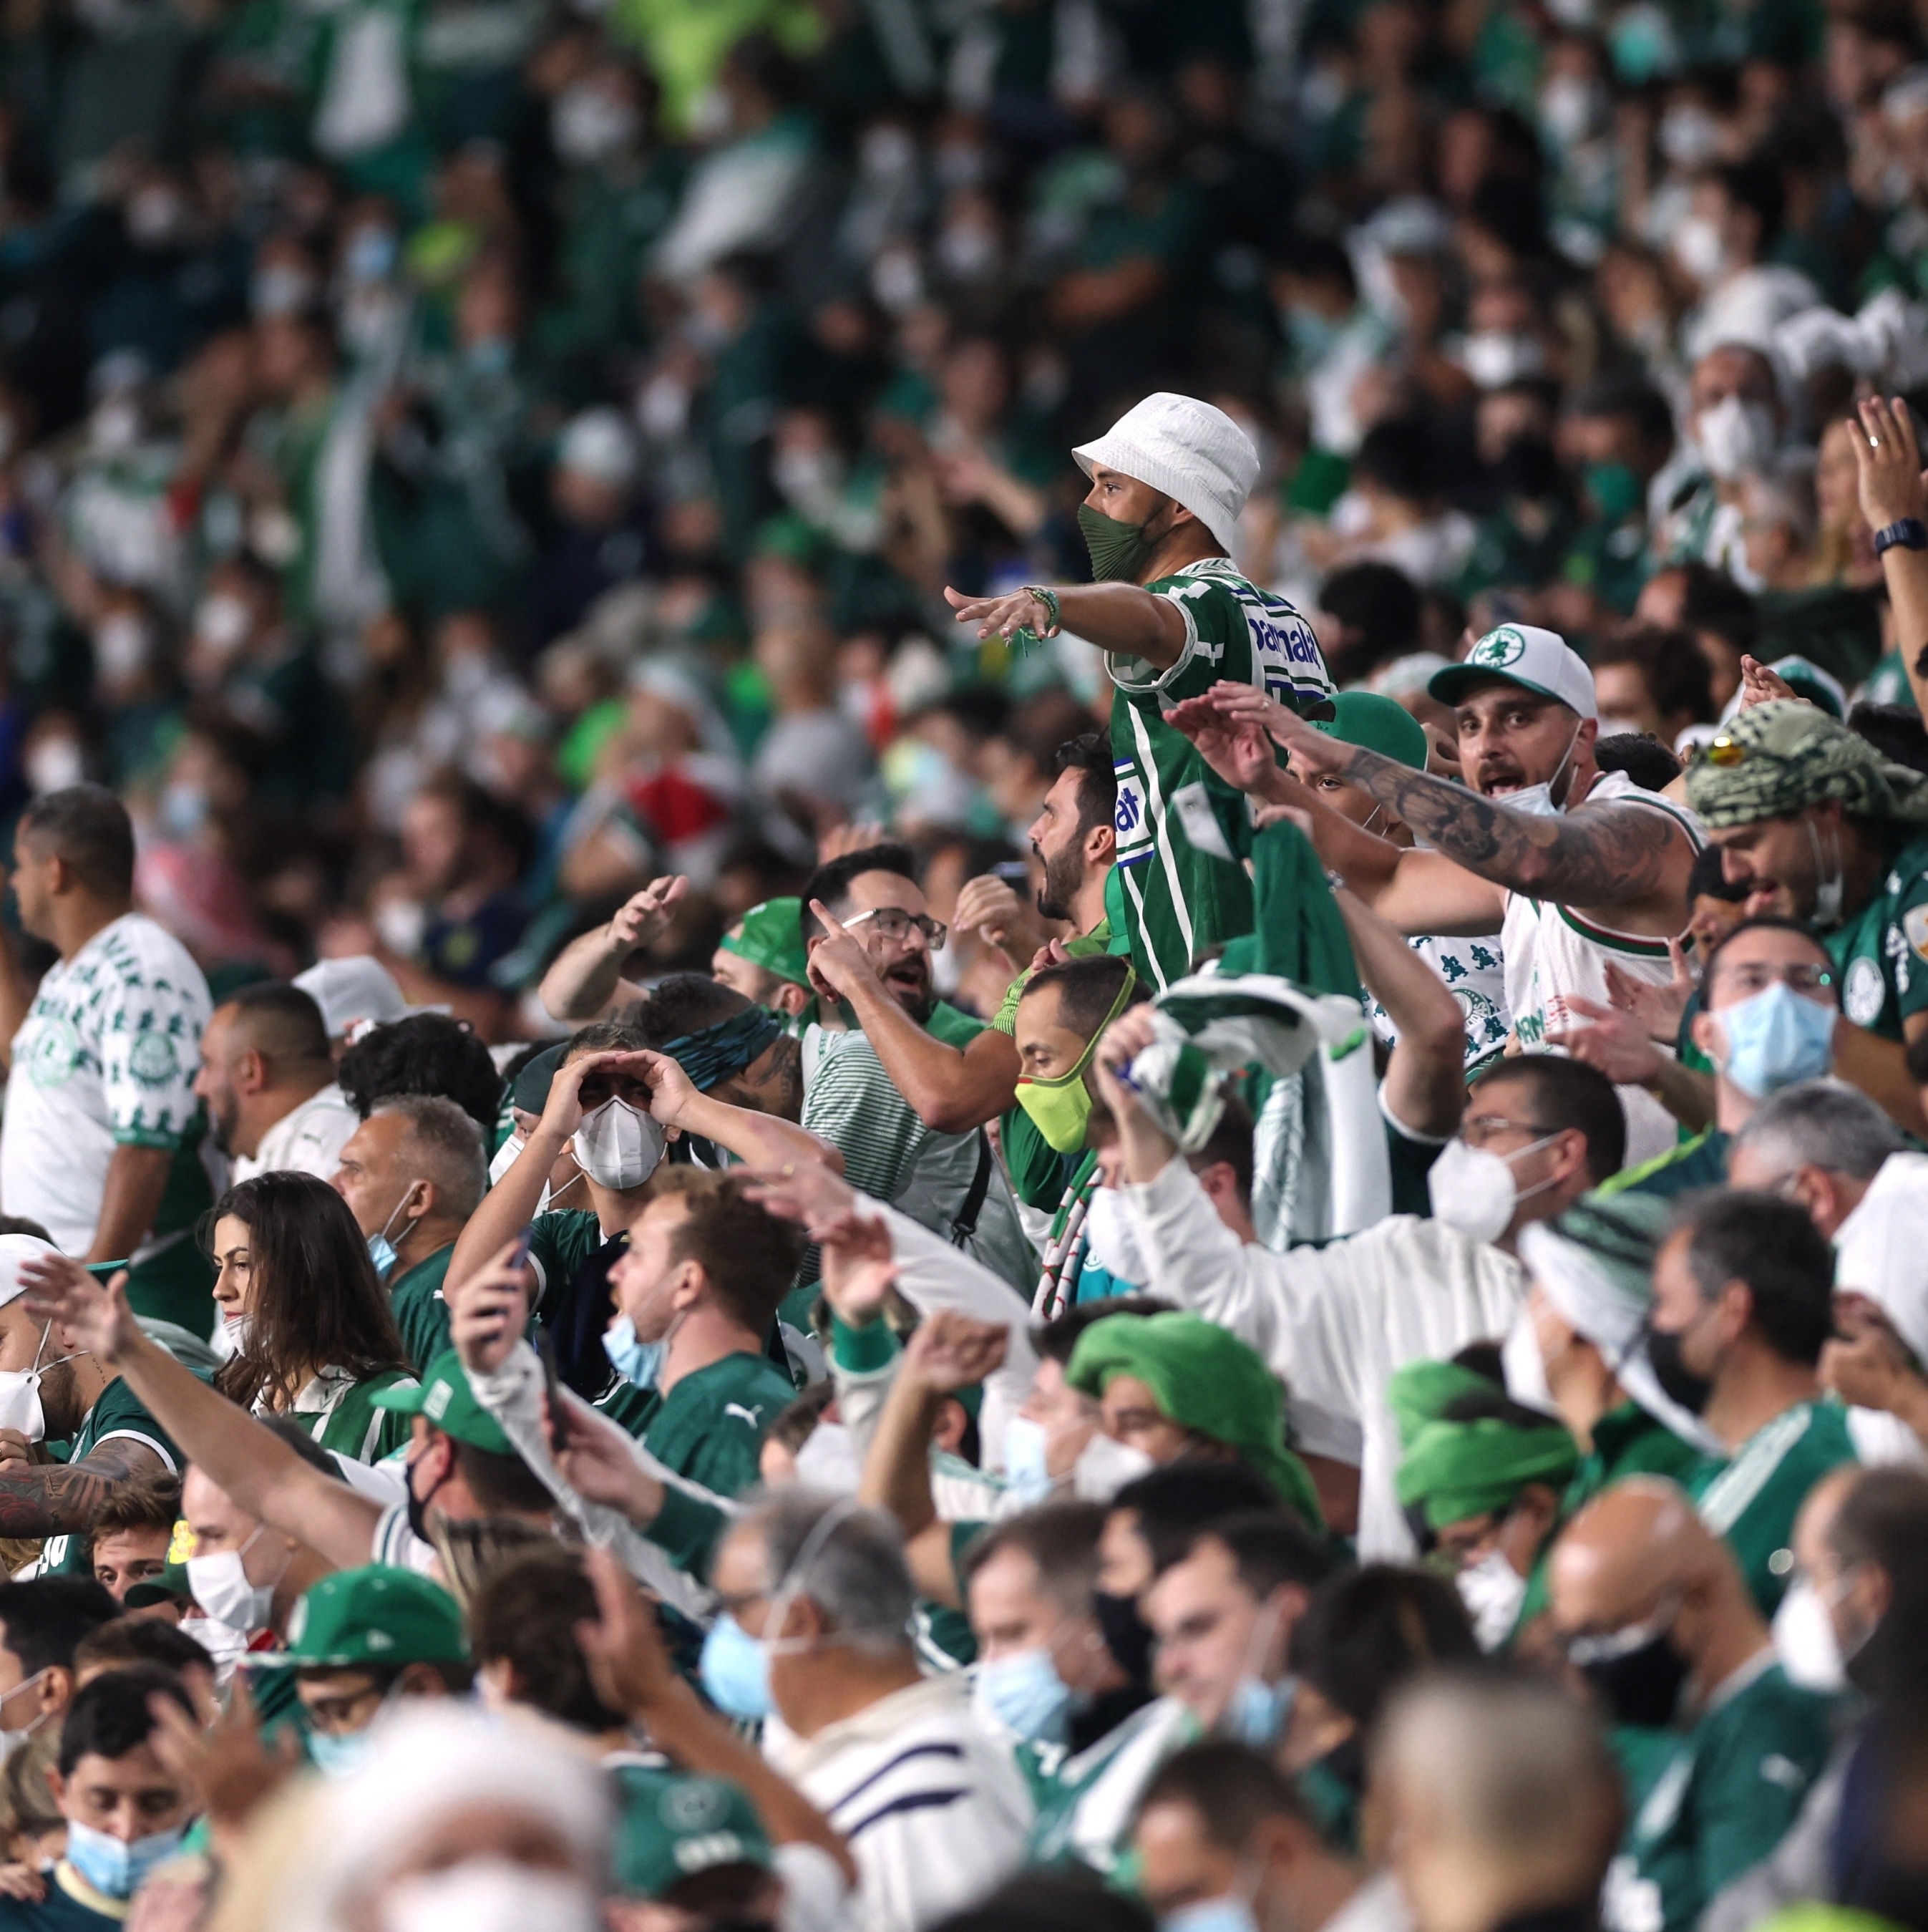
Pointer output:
309, 1329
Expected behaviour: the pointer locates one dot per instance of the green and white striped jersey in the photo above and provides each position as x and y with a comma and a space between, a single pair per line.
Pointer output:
1182, 895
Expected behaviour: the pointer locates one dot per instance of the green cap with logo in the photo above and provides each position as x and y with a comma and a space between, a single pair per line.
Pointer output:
1771, 761
443, 1397
672, 1827
1376, 724
771, 936
376, 1617
165, 1586
1524, 654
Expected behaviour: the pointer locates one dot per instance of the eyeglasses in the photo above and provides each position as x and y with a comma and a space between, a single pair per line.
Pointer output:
894, 925
1478, 1130
1756, 976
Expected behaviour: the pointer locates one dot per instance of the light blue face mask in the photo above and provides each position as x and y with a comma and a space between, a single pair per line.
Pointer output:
1775, 1038
382, 1251
112, 1865
1258, 1712
1027, 1473
639, 1362
337, 1756
1210, 1915
1026, 1695
735, 1669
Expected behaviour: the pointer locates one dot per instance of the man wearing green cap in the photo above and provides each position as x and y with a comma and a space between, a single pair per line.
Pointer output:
1173, 1385
1822, 829
361, 1640
761, 957
1480, 1479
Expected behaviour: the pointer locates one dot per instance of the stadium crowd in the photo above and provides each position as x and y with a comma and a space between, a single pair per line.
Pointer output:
967, 966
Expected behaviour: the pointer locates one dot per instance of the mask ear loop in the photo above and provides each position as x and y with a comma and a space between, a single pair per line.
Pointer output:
786, 1591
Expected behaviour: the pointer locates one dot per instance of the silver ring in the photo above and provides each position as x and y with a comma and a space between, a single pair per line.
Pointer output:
1874, 442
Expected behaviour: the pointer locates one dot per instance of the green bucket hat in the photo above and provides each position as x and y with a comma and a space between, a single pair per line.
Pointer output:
443, 1397
1205, 1379
670, 1827
771, 936
1376, 724
376, 1616
1773, 760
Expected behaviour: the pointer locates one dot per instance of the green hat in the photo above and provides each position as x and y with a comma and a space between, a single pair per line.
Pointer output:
165, 1586
1459, 1461
1810, 682
443, 1397
771, 936
1376, 724
375, 1616
531, 1090
671, 1827
1773, 760
1205, 1379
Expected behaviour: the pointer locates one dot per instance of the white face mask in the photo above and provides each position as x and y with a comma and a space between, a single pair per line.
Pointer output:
1538, 799
1699, 249
489, 1895
230, 1337
1492, 1591
1735, 437
1524, 1366
1472, 1189
13, 1738
618, 1147
220, 1587
1111, 1238
1105, 1466
1805, 1642
20, 1393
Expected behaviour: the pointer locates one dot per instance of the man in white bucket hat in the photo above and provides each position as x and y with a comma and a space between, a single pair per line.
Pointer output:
1172, 618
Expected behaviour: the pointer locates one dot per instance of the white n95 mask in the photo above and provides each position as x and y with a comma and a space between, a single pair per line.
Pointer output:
20, 1393
617, 1146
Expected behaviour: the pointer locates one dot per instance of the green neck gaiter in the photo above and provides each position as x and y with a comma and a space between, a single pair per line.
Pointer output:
1118, 550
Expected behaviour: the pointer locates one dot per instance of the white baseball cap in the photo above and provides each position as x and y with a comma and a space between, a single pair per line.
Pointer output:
15, 1251
1524, 654
1195, 454
359, 988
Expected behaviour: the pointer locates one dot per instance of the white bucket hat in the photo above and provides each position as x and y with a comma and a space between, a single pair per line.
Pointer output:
1194, 454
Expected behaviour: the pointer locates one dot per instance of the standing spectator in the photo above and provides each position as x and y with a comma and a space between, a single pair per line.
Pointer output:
267, 1078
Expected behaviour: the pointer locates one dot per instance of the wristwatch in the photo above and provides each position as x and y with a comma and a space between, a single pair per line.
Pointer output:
1909, 533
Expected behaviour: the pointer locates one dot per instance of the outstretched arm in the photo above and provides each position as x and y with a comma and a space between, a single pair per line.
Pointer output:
586, 976
1892, 489
1117, 617
260, 1472
759, 1140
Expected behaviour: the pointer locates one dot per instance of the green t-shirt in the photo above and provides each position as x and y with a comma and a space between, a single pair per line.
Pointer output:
1753, 1499
1734, 1785
1181, 898
118, 1412
71, 1905
1683, 1169
351, 1425
1086, 945
558, 1244
1882, 951
421, 1313
1078, 1800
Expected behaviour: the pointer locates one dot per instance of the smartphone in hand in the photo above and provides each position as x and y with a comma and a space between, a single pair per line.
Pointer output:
552, 1384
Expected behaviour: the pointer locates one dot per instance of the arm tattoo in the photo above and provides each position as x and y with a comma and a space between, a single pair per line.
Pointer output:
61, 1499
1589, 858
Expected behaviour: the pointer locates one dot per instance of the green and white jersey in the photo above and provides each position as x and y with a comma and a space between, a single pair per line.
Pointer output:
106, 1058
117, 1411
340, 1413
1085, 1804
1881, 951
1182, 897
1474, 972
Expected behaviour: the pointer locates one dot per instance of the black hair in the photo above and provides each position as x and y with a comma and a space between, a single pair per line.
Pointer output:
1270, 1548
1569, 1093
1055, 1339
1229, 1788
130, 1640
684, 1004
1230, 1141
1318, 258
1380, 602
1398, 455
1772, 1246
1367, 1631
1634, 398
112, 1716
41, 1621
87, 826
1090, 755
1765, 921
284, 1021
1642, 756
425, 1053
1895, 730
315, 1302
831, 882
1175, 1501
503, 1483
1756, 186
1677, 675
1061, 1538
1087, 989
1710, 600
525, 1614
1708, 879
1051, 1901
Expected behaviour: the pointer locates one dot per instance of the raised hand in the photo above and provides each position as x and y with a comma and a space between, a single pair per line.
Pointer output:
644, 916
839, 965
1239, 750
951, 1351
1124, 1038
594, 1461
807, 1192
1312, 751
1616, 1042
621, 1644
97, 1319
562, 1112
1889, 464
1658, 1009
1000, 616
860, 1266
1761, 685
489, 1310
671, 1089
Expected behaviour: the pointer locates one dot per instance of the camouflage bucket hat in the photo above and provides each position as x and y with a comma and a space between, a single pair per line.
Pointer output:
1775, 759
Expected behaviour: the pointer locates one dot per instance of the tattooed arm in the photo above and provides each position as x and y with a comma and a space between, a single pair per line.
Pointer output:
1582, 858
60, 1498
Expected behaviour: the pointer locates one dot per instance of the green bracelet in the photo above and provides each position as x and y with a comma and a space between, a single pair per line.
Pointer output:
1048, 598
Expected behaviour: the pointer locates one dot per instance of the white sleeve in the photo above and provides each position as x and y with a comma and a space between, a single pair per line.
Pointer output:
815, 1897
932, 1275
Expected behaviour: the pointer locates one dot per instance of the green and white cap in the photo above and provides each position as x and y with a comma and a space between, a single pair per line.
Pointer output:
376, 1617
671, 1827
1523, 655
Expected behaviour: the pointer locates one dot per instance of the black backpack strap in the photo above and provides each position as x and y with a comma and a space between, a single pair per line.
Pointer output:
965, 1225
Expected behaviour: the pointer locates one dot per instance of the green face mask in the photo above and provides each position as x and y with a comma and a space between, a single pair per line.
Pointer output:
1615, 488
1061, 1109
1118, 550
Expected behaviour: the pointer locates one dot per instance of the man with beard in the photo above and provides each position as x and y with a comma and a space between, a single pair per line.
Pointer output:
896, 1079
1576, 869
267, 1079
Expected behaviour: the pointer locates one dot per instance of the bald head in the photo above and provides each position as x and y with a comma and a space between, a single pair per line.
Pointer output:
1628, 1551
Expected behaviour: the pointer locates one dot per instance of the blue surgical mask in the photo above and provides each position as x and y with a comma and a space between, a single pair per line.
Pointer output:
382, 1251
1258, 1712
639, 1362
1775, 1038
735, 1669
1026, 1473
112, 1865
1230, 1914
1026, 1695
337, 1756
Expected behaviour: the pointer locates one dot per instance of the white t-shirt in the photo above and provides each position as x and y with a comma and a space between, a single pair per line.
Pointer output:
308, 1140
105, 1058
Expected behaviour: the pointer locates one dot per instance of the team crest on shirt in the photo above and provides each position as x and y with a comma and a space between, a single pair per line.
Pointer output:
1865, 993
55, 1053
152, 1061
1497, 649
1914, 924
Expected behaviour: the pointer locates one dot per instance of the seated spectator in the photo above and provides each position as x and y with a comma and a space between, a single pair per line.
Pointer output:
40, 1626
422, 1053
268, 1079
